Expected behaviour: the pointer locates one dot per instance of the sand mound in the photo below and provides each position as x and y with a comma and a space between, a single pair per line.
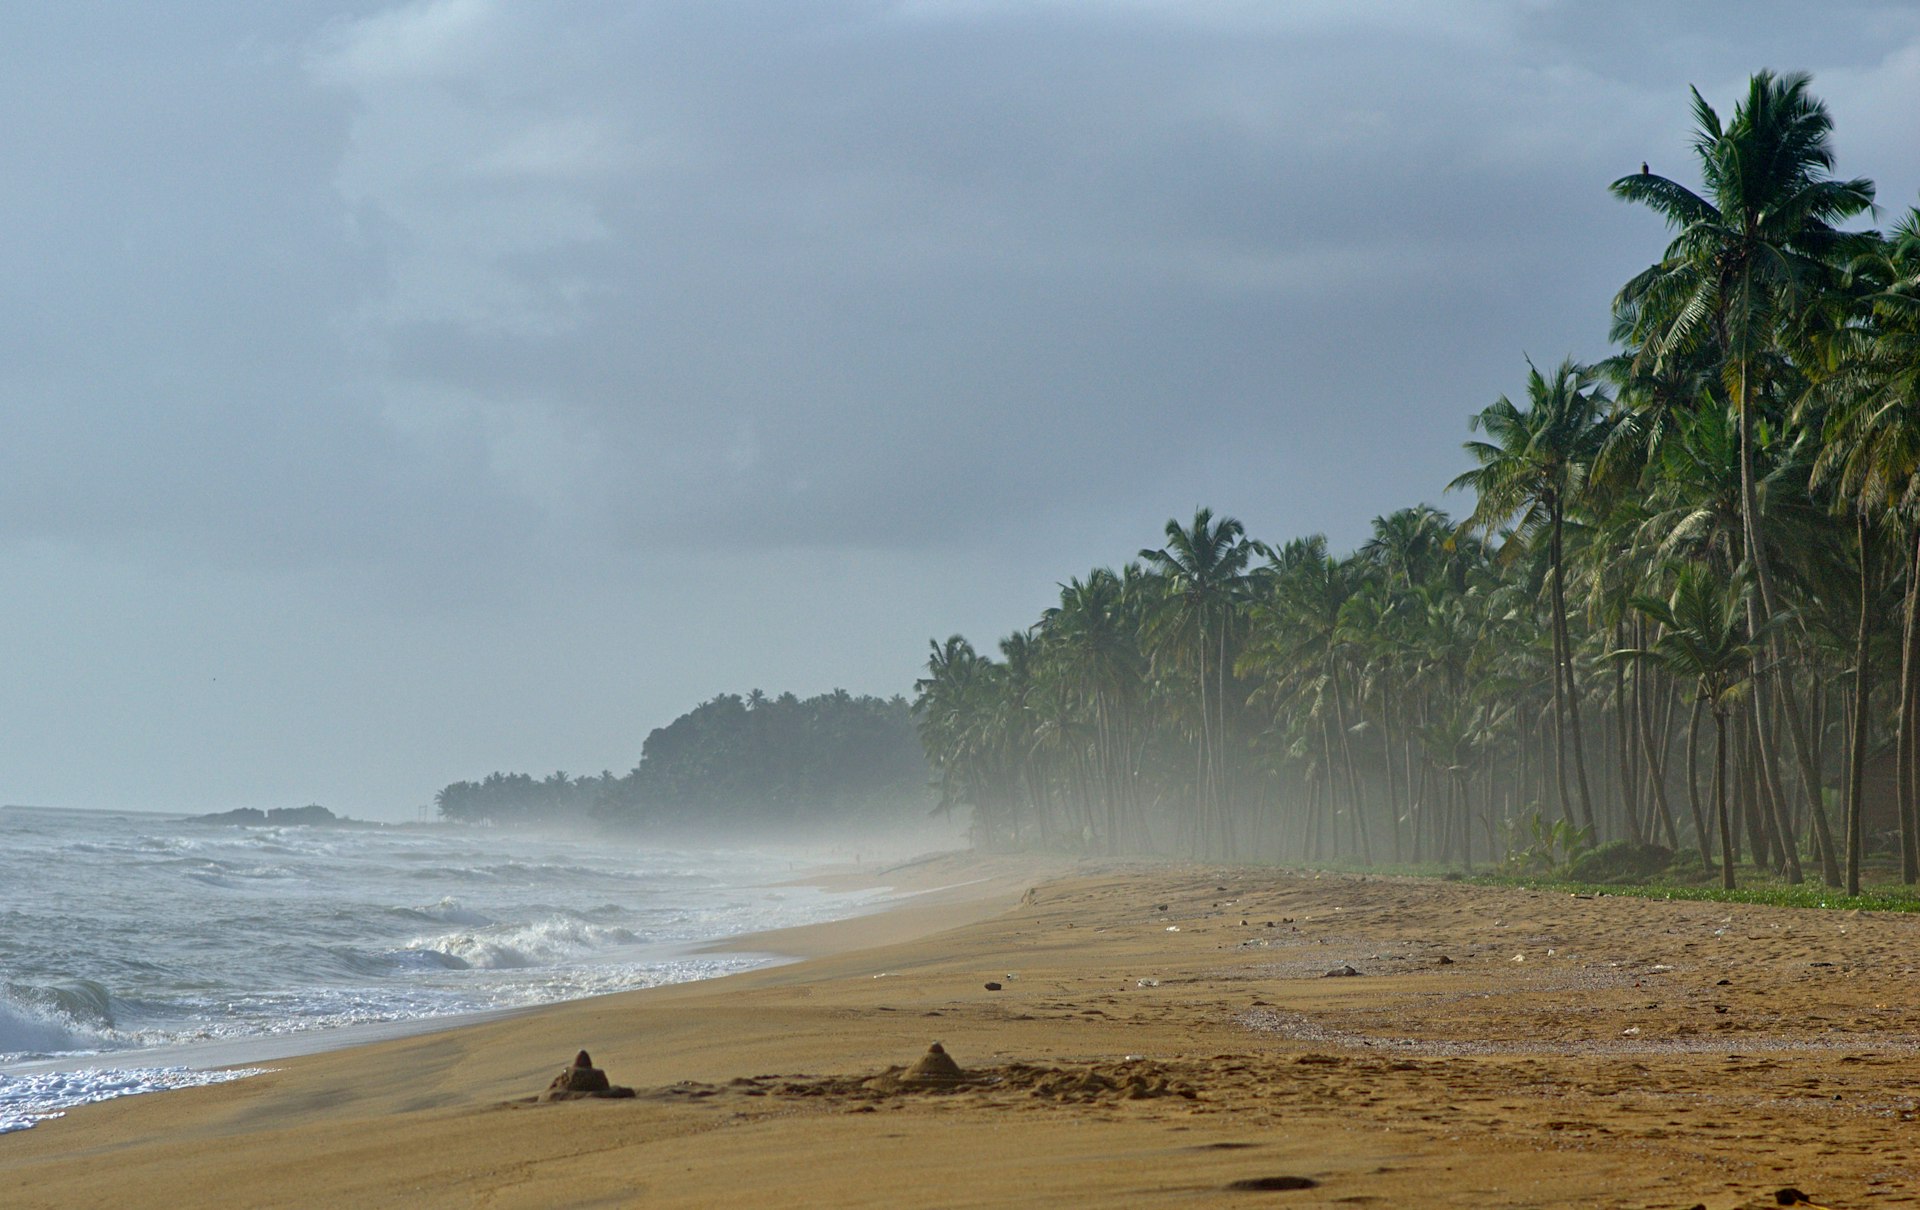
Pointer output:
934, 1067
580, 1080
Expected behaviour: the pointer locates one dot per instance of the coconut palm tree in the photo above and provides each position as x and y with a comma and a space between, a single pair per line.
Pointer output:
1534, 466
1750, 254
1299, 649
1094, 648
1204, 567
1747, 258
1869, 394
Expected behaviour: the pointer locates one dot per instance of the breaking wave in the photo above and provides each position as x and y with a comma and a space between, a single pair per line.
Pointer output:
548, 942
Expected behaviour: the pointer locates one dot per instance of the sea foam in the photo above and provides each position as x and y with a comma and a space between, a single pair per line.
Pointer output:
27, 1099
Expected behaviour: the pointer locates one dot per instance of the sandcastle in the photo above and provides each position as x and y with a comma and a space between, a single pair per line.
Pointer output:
936, 1067
580, 1080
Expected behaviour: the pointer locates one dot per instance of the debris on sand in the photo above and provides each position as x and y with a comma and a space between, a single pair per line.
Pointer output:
1340, 972
1272, 1184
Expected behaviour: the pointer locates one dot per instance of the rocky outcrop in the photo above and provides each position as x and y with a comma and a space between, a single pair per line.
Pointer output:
312, 815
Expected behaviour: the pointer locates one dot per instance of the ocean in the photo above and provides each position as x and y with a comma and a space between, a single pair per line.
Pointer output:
131, 934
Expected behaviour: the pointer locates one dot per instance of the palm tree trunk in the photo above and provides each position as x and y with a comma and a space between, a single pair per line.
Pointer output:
1774, 800
1719, 799
1416, 791
1862, 687
1223, 786
1466, 823
1769, 606
1524, 773
1820, 703
1623, 744
1746, 785
1353, 774
1570, 731
1204, 772
1331, 776
1700, 835
1906, 761
1656, 762
1386, 751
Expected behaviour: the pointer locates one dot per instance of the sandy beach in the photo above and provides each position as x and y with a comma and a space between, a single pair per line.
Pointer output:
1154, 1035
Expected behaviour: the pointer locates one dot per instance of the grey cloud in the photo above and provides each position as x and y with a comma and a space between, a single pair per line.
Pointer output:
496, 328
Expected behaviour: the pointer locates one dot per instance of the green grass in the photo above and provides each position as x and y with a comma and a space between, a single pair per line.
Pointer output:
1882, 890
1756, 888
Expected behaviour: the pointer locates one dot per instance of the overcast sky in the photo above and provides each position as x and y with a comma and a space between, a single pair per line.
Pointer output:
398, 392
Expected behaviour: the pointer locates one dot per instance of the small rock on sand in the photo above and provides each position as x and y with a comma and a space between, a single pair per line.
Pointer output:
1273, 1184
1340, 972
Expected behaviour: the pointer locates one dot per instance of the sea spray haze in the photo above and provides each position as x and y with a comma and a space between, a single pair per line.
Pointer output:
119, 932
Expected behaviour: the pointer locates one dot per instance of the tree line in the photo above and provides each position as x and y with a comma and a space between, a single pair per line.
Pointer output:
1679, 612
772, 762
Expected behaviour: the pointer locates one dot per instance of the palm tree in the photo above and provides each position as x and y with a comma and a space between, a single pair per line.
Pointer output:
1746, 259
1751, 254
1205, 571
1299, 646
1535, 465
1409, 543
966, 714
1870, 393
1094, 648
1703, 636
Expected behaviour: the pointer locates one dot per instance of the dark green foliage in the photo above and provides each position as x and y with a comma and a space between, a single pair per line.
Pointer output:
516, 798
771, 761
783, 760
1622, 861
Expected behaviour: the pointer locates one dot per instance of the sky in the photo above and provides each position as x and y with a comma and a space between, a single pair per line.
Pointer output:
397, 392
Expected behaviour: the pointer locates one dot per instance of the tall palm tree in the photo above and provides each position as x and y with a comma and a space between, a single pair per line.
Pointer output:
1747, 257
967, 718
1299, 648
1534, 466
1205, 570
1095, 649
1750, 254
1870, 395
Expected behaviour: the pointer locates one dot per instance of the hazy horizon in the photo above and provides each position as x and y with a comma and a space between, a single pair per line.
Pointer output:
400, 392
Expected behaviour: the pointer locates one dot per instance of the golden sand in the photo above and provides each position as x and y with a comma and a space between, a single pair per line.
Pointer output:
1161, 1035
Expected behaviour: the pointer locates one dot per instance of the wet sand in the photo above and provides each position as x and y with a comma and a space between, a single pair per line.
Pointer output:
1161, 1035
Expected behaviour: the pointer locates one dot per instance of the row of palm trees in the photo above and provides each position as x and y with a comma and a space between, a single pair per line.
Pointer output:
1718, 525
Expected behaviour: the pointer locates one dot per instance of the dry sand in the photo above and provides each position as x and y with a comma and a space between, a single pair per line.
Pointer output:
1161, 1036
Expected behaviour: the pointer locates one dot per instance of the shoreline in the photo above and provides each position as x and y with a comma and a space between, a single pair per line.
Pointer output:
1155, 1033
760, 949
253, 1049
